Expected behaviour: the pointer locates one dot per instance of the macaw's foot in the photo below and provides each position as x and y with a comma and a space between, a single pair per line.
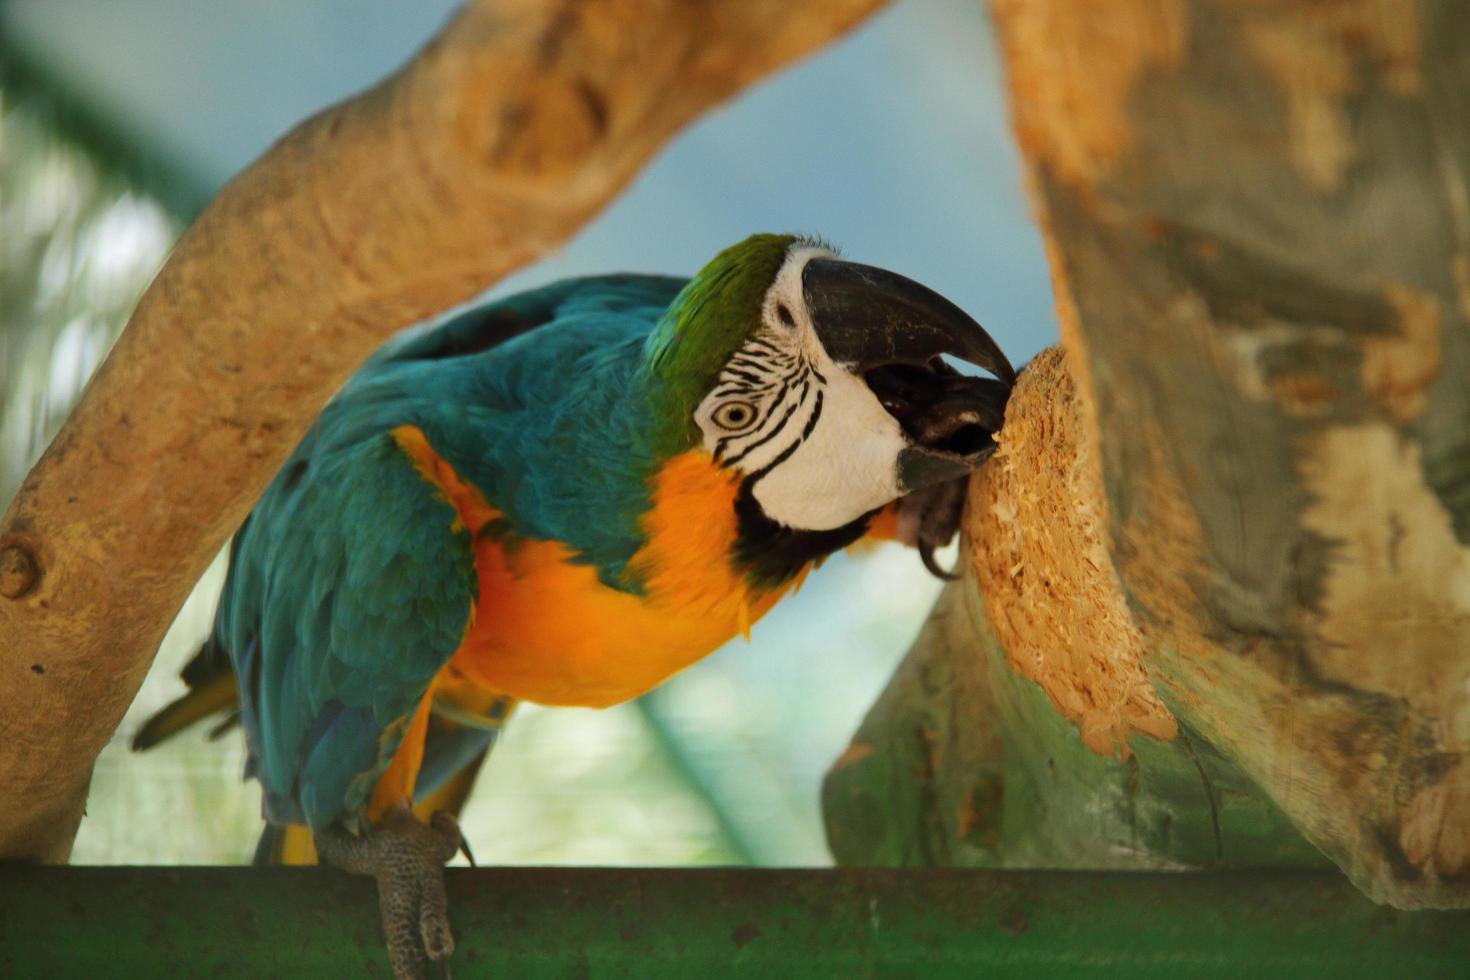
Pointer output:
928, 519
407, 858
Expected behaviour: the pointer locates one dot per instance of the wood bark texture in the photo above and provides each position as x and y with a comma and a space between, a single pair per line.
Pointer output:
1258, 217
505, 134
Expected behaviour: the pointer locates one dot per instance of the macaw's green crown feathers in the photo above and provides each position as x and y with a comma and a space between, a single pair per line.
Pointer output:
713, 315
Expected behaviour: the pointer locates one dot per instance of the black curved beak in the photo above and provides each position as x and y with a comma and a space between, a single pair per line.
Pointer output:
868, 317
894, 331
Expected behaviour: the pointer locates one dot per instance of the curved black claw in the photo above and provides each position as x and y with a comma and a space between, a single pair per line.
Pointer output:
929, 518
443, 821
926, 555
407, 859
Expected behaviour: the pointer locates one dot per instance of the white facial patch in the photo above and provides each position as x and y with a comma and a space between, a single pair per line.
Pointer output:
845, 467
823, 448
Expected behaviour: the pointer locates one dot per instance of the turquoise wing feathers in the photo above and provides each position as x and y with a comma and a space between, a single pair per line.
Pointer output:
336, 633
352, 582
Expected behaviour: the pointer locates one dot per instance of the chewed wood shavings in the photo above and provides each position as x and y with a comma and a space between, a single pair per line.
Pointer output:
1036, 524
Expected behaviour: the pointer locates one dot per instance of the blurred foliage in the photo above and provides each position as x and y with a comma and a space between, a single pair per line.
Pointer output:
78, 247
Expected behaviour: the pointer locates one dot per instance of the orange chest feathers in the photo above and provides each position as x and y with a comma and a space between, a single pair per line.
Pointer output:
546, 630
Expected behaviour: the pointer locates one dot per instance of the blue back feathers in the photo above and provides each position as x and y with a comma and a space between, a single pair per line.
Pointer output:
351, 584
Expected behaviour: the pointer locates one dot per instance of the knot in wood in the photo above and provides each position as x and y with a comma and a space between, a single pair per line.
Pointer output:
19, 571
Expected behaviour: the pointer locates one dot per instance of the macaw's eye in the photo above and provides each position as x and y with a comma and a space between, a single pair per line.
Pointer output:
734, 415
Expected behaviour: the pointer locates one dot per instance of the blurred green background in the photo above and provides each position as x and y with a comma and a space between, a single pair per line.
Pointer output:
118, 120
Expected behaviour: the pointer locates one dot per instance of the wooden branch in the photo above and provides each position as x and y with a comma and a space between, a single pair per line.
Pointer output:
506, 133
817, 924
1023, 729
1258, 217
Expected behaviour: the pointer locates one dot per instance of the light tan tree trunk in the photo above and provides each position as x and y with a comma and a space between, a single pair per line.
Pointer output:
1218, 598
511, 129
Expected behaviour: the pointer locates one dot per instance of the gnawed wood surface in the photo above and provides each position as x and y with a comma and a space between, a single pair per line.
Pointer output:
1258, 216
506, 133
1038, 550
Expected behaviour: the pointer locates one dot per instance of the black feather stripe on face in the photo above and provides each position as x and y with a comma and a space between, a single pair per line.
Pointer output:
774, 380
770, 554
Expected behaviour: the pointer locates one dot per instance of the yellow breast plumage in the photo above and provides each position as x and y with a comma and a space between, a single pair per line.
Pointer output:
545, 629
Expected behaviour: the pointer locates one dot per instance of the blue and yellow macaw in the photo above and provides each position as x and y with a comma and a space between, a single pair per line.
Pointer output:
565, 497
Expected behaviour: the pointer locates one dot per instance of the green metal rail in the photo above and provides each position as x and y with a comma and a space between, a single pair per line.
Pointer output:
648, 924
